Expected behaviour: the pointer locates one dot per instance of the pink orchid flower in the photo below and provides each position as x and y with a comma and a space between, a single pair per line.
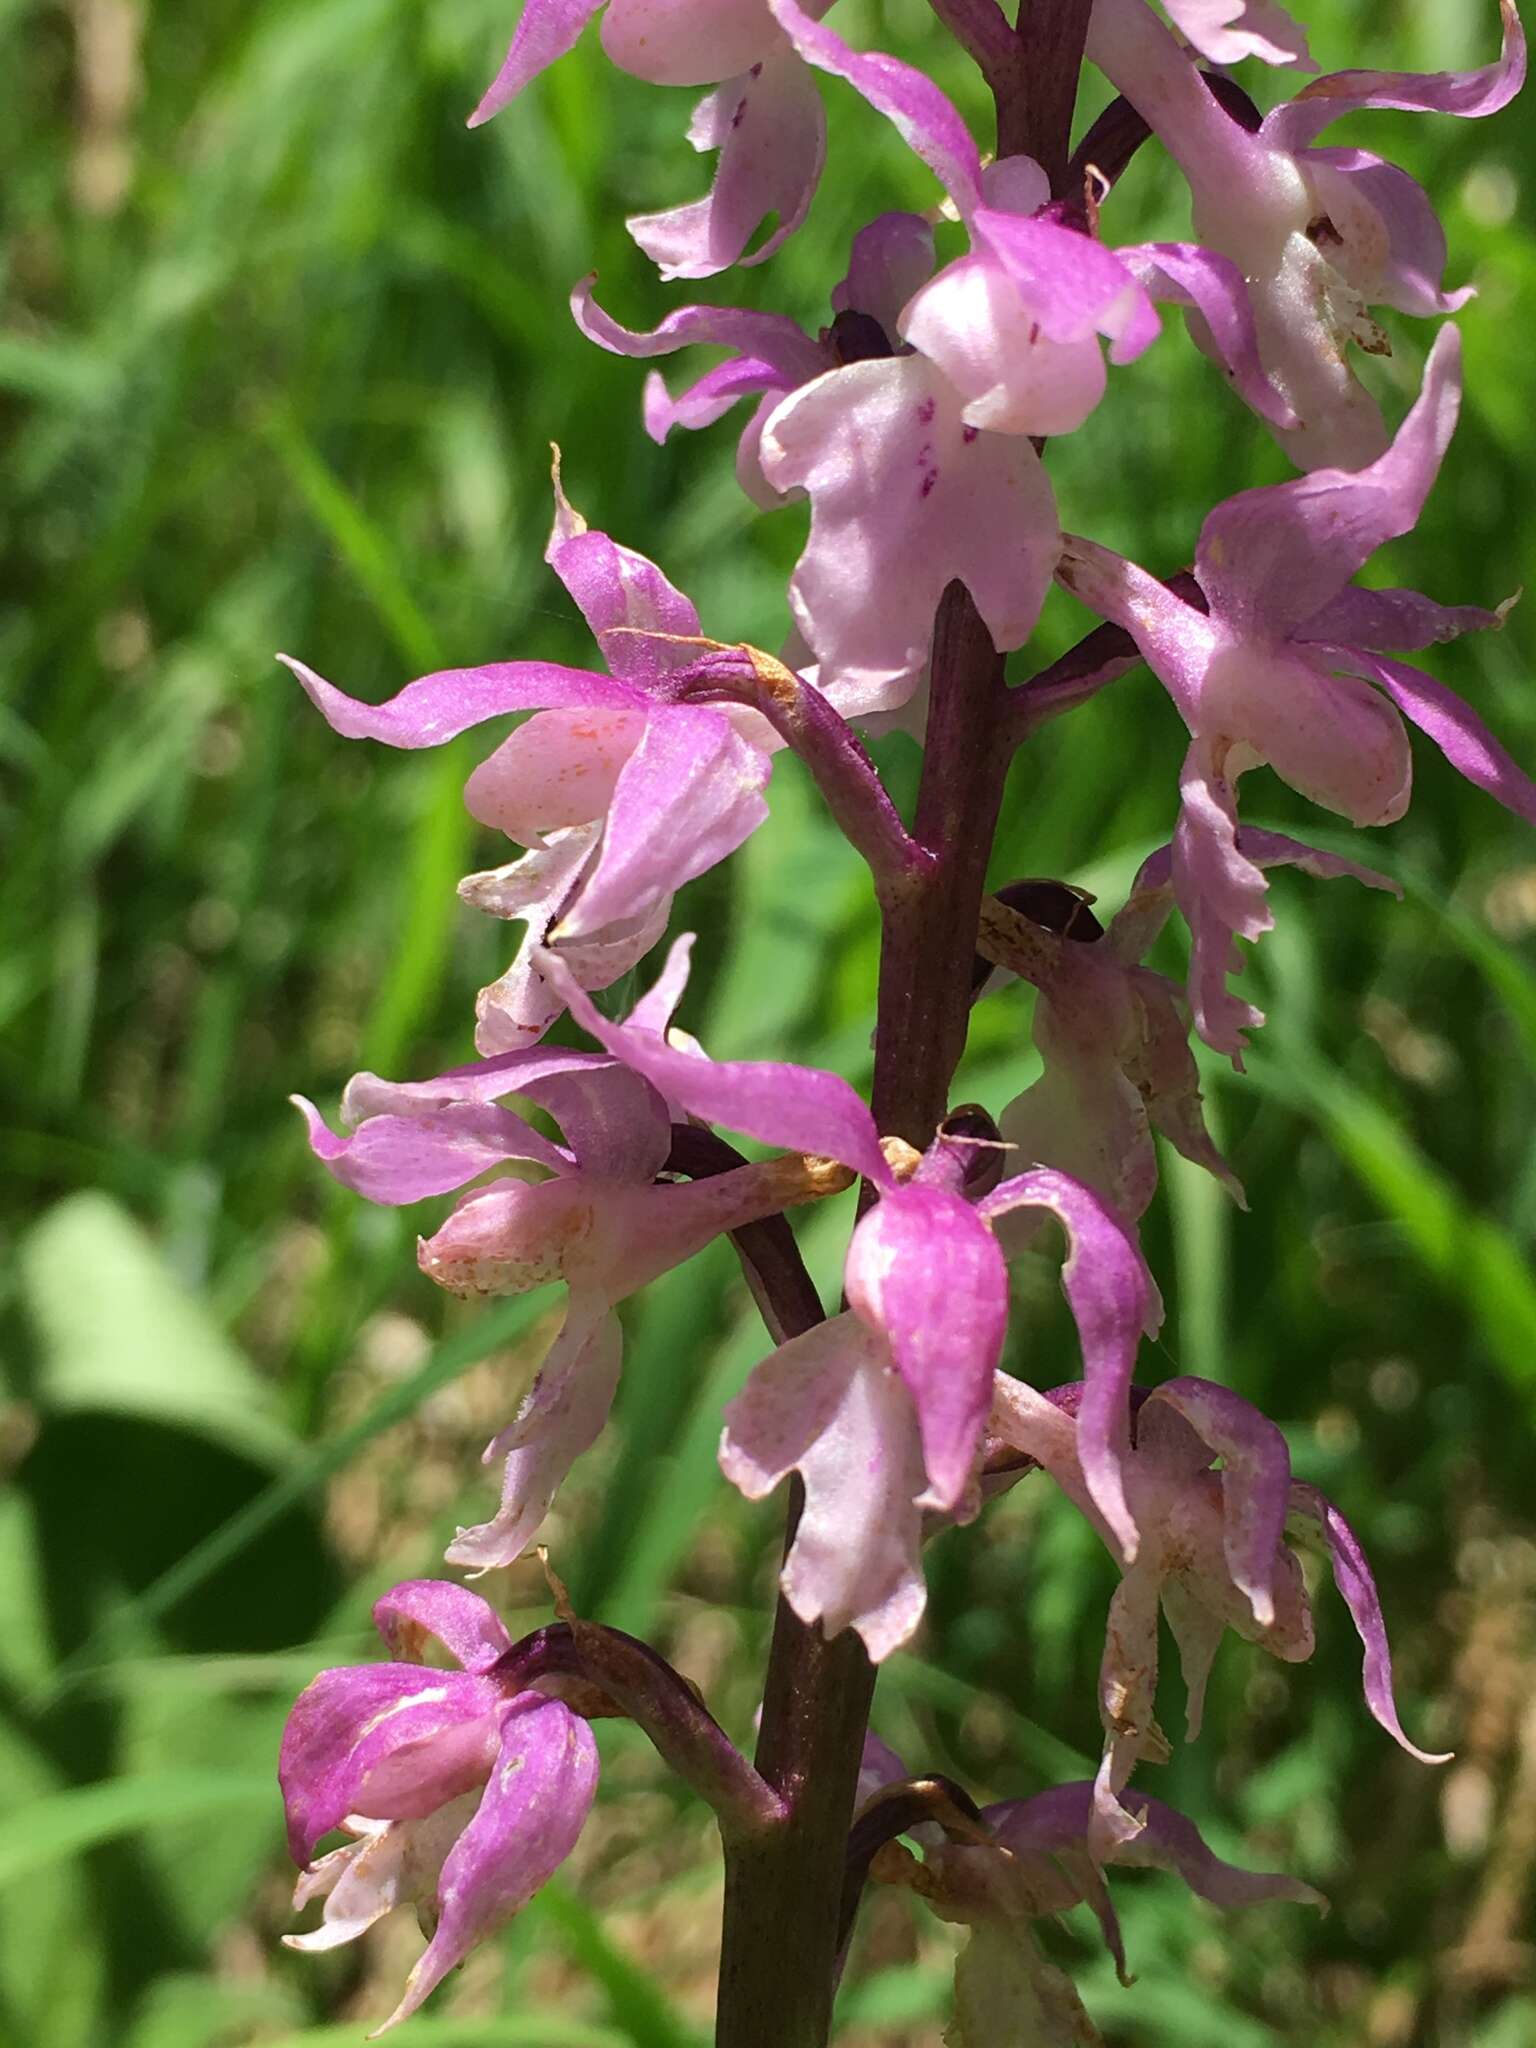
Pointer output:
1321, 235
1285, 670
620, 792
765, 117
463, 1795
601, 1222
1210, 1552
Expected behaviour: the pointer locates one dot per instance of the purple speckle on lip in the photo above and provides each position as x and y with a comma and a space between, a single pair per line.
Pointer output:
930, 478
968, 434
1034, 332
926, 411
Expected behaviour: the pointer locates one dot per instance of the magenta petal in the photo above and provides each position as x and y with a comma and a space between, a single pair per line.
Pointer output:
1269, 559
889, 259
1454, 727
1227, 31
1255, 1480
772, 339
546, 30
654, 1010
439, 707
1113, 1300
561, 1417
771, 131
1407, 274
399, 1159
535, 1805
1400, 620
708, 399
348, 1722
624, 597
1214, 286
1470, 94
1223, 896
925, 1272
1352, 1576
828, 1405
468, 1627
798, 1108
1072, 284
688, 796
924, 117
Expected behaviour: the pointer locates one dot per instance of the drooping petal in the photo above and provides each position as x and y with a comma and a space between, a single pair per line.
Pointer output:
1268, 559
653, 1011
1113, 1300
770, 338
1352, 1575
925, 117
535, 1805
1162, 1067
1223, 897
686, 42
798, 1108
468, 1627
1471, 94
1009, 1994
905, 497
925, 1273
1227, 31
1400, 260
439, 707
349, 1723
709, 398
400, 1159
1212, 284
546, 30
392, 1863
558, 769
830, 1405
771, 131
1255, 1480
1454, 727
562, 1416
688, 796
1394, 619
890, 258
1127, 1689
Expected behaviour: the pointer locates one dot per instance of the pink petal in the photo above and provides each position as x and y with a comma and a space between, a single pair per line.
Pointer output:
439, 707
688, 796
397, 1862
829, 1405
1398, 619
923, 116
1470, 94
686, 42
797, 1108
1352, 1576
1164, 1072
1269, 559
1177, 641
623, 597
1454, 727
1127, 1691
1072, 285
513, 1236
1113, 1300
348, 1722
772, 339
558, 769
709, 399
1222, 895
771, 132
1255, 1480
1015, 379
535, 1805
561, 1417
1227, 31
468, 1627
1213, 285
889, 259
400, 1159
905, 497
653, 1011
925, 1273
546, 30
1406, 273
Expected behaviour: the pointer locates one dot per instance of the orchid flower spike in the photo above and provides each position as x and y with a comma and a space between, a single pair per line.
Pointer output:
765, 117
1285, 670
1321, 235
600, 1221
620, 793
462, 1794
1210, 1553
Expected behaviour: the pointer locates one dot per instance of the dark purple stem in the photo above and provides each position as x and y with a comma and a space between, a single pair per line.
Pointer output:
650, 1692
847, 778
770, 1258
982, 29
894, 1811
1034, 116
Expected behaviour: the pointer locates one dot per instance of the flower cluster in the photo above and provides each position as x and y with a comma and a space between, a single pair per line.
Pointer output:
912, 423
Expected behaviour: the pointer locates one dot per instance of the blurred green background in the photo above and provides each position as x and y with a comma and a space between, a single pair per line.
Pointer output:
282, 350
